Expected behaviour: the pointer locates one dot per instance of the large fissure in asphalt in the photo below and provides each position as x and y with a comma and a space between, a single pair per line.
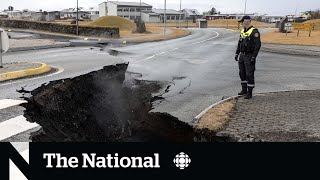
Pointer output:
106, 106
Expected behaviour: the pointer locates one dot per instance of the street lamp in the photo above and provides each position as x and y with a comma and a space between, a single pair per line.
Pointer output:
77, 21
180, 15
140, 11
245, 7
165, 18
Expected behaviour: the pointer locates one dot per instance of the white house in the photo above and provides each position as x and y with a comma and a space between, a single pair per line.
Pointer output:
191, 13
93, 12
271, 18
128, 10
305, 15
71, 13
4, 15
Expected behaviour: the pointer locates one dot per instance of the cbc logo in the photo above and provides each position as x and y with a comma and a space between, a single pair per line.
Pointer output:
182, 160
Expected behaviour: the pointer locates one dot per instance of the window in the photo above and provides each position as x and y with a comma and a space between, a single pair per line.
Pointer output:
126, 9
119, 9
132, 10
168, 17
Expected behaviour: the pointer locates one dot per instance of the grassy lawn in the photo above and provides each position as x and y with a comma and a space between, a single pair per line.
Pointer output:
275, 37
126, 29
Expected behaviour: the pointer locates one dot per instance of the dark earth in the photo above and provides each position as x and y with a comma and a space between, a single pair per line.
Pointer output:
106, 106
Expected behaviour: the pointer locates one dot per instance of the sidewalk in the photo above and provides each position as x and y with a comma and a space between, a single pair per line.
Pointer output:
35, 44
275, 117
11, 71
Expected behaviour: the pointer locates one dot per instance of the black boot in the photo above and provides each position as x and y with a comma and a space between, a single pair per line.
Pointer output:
244, 90
249, 94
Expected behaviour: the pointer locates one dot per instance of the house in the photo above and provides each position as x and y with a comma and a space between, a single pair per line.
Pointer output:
172, 15
52, 15
71, 13
15, 14
150, 17
191, 14
271, 18
26, 14
93, 12
128, 10
306, 15
4, 15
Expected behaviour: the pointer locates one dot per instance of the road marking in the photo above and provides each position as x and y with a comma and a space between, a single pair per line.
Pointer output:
15, 126
5, 103
160, 53
60, 70
151, 57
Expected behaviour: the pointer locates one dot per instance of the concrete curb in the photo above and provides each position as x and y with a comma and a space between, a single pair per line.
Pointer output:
197, 118
38, 47
302, 53
25, 73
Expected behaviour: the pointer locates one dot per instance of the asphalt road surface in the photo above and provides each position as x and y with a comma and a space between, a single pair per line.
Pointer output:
201, 68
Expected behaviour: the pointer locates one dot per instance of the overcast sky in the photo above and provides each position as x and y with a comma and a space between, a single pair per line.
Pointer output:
271, 7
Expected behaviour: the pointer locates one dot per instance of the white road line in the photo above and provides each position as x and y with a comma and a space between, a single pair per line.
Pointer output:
160, 53
15, 126
151, 57
14, 82
5, 103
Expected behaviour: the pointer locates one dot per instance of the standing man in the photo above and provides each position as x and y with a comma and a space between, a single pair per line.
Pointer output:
248, 49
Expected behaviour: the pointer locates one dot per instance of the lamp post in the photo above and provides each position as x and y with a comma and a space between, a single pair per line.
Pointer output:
245, 7
140, 11
77, 21
180, 16
165, 18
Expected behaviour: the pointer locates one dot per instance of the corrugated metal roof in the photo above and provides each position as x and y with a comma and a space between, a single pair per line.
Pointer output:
193, 12
120, 3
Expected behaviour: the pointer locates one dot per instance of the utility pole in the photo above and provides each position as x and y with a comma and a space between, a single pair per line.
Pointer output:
245, 7
1, 65
140, 11
180, 15
77, 18
165, 18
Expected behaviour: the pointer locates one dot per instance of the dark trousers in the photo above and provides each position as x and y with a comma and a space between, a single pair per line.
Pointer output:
247, 70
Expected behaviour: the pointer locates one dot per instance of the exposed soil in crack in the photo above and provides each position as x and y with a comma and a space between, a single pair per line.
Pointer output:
105, 106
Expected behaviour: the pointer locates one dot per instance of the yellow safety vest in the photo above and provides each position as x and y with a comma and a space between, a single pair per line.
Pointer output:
247, 34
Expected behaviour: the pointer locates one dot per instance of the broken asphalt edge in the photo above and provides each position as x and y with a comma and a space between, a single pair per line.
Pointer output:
44, 68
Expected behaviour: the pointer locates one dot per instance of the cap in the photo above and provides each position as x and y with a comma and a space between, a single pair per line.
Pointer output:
245, 18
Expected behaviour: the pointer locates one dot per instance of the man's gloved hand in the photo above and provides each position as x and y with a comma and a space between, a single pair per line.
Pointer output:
237, 57
253, 60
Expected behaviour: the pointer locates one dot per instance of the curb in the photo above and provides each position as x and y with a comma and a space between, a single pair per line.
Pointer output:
38, 47
197, 118
301, 53
25, 73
